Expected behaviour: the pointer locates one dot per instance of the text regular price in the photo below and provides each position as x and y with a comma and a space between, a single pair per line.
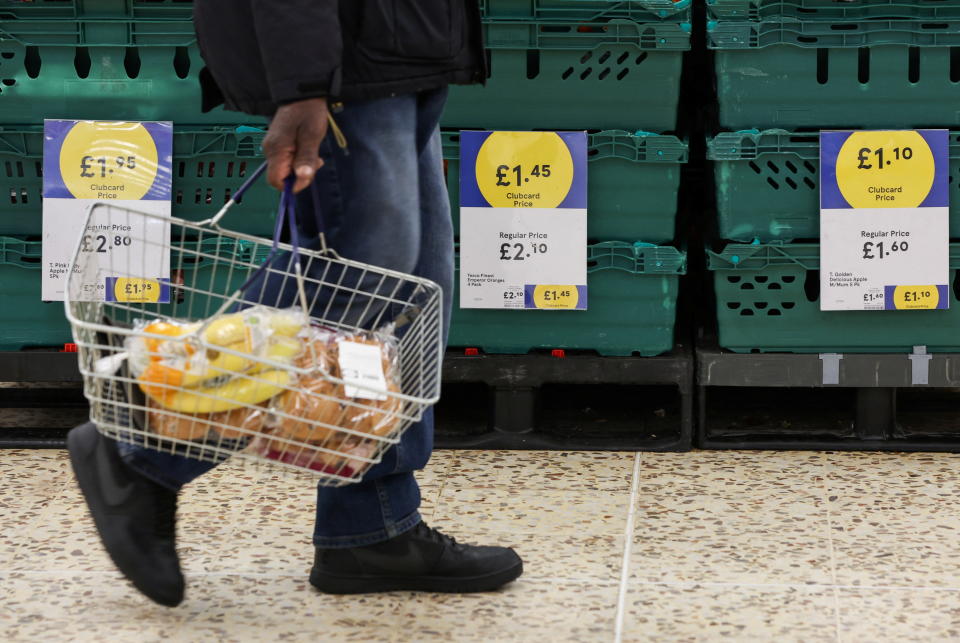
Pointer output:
880, 249
521, 251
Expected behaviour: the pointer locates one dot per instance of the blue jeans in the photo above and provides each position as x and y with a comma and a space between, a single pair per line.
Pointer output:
383, 202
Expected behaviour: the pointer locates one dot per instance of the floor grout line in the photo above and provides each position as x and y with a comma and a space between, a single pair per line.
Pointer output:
836, 612
627, 550
825, 490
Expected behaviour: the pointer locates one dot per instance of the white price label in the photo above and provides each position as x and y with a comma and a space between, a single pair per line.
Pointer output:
362, 365
125, 256
523, 220
884, 220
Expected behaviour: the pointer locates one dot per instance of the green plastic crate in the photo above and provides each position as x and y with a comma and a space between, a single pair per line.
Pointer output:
768, 301
208, 163
631, 309
29, 322
825, 75
832, 9
58, 9
26, 321
105, 62
768, 185
633, 186
589, 10
574, 75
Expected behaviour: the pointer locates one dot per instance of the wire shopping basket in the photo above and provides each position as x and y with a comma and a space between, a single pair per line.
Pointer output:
251, 348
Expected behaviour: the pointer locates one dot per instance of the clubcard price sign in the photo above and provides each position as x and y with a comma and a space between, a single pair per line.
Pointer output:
123, 164
523, 220
884, 220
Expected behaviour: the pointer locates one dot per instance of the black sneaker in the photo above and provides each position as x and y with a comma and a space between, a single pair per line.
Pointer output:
135, 516
421, 560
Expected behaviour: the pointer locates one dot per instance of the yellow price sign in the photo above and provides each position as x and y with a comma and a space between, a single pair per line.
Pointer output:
566, 297
108, 160
524, 170
916, 298
137, 290
885, 169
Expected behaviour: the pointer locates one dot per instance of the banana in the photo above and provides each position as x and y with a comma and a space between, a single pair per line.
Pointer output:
215, 364
226, 330
287, 323
235, 393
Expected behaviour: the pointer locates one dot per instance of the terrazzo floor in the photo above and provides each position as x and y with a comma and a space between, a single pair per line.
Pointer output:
702, 546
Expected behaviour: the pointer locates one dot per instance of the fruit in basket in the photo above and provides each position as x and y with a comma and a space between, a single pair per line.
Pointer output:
235, 392
249, 342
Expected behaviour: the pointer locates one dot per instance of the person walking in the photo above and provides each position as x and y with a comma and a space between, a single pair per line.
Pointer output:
382, 68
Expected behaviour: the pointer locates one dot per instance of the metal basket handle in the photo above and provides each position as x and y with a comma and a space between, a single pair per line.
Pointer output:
286, 213
236, 197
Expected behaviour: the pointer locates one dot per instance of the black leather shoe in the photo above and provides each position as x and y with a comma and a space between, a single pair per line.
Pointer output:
421, 560
135, 516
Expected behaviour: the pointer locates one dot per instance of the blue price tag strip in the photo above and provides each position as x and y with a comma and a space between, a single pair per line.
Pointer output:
916, 298
137, 290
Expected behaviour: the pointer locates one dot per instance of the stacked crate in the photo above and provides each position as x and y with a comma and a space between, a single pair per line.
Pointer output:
612, 69
785, 70
106, 60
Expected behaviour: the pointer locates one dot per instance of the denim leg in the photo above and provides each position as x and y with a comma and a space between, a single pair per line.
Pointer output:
386, 502
166, 469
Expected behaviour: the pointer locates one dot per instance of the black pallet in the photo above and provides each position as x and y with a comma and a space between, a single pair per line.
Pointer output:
539, 401
867, 402
40, 398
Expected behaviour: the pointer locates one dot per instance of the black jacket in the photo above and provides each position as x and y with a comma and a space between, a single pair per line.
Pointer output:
263, 53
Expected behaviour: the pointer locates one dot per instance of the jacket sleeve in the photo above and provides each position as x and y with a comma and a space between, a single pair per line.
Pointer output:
300, 45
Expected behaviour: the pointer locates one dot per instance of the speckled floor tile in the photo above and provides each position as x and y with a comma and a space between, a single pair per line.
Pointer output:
726, 545
895, 539
583, 471
29, 481
730, 470
745, 533
729, 613
208, 511
435, 473
902, 472
235, 608
567, 556
530, 511
64, 539
81, 607
896, 615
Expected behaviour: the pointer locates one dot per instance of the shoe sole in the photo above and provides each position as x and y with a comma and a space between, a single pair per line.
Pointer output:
82, 452
336, 584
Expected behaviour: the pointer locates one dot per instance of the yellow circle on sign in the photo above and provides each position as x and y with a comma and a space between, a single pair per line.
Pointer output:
108, 161
916, 297
566, 297
885, 169
137, 290
524, 170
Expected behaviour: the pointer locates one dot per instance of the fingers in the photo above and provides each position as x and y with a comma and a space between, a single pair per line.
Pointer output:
279, 149
292, 144
307, 159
